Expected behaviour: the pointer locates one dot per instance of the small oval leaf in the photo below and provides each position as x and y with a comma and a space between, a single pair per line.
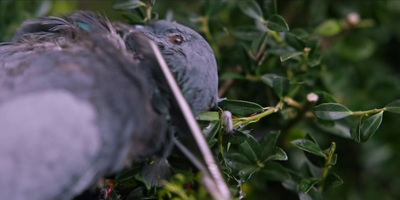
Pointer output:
127, 5
251, 9
210, 129
331, 111
331, 181
251, 149
355, 130
307, 183
294, 41
325, 97
240, 108
278, 154
290, 55
370, 126
280, 84
277, 23
309, 146
238, 161
208, 116
333, 160
394, 106
274, 171
300, 33
329, 28
268, 144
246, 173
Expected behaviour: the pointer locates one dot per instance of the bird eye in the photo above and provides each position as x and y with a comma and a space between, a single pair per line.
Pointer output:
176, 39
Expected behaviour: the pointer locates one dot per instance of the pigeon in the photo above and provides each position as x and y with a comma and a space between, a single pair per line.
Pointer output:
81, 97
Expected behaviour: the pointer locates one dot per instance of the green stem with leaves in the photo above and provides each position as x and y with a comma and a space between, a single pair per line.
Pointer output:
328, 165
148, 8
277, 37
368, 112
267, 111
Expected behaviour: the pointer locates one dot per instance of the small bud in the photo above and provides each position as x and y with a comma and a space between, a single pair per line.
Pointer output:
227, 121
312, 97
353, 18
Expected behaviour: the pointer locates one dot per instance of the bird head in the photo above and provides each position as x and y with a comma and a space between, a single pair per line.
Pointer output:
190, 58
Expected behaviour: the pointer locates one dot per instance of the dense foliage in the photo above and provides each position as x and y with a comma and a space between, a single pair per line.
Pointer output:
311, 85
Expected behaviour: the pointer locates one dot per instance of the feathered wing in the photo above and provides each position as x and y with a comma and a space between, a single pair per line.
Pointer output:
69, 110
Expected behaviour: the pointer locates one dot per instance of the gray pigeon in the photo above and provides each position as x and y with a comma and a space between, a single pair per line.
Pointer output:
79, 100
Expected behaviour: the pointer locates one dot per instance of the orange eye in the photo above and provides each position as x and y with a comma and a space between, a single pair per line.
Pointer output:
176, 39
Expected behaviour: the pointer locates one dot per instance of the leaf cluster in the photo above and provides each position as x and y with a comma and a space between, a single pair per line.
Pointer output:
306, 85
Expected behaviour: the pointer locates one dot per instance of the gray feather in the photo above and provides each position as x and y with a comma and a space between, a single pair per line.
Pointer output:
75, 79
104, 78
47, 127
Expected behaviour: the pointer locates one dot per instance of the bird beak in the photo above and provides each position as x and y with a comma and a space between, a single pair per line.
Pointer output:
193, 143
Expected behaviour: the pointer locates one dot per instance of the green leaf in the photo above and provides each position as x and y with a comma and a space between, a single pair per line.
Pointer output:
333, 161
311, 138
355, 48
312, 194
393, 106
211, 130
268, 143
331, 111
240, 108
314, 159
309, 146
137, 193
278, 154
307, 183
237, 161
355, 130
238, 137
132, 18
246, 173
241, 165
370, 126
290, 185
154, 16
278, 83
290, 55
259, 42
251, 9
325, 97
279, 51
300, 33
314, 60
329, 28
127, 175
277, 23
332, 181
294, 41
127, 5
247, 33
208, 116
274, 171
251, 149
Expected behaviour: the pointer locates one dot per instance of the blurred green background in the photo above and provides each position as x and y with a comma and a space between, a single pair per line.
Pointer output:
360, 67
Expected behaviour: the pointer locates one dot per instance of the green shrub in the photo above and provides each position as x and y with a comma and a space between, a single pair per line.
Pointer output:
312, 86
